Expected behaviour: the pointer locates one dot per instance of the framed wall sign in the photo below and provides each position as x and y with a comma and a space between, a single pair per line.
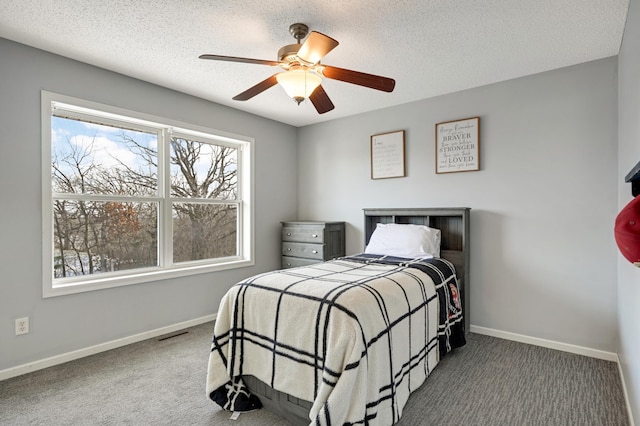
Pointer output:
458, 145
387, 155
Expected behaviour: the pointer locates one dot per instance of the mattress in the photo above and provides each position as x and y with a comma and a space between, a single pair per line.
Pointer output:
352, 337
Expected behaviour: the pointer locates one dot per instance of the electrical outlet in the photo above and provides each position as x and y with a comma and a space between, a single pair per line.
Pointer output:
22, 326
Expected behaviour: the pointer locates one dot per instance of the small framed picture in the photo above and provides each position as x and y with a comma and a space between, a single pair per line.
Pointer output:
458, 145
387, 155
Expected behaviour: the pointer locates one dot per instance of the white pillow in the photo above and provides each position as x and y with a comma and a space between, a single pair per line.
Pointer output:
394, 239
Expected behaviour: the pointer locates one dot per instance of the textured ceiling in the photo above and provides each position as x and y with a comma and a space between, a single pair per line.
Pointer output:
430, 47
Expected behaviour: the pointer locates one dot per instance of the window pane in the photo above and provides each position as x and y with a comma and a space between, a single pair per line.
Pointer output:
92, 237
204, 231
202, 170
90, 158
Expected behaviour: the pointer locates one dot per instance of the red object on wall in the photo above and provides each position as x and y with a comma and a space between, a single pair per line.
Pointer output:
627, 231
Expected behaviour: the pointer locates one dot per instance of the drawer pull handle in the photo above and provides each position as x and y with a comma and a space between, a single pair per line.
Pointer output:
288, 264
314, 235
288, 234
288, 249
314, 251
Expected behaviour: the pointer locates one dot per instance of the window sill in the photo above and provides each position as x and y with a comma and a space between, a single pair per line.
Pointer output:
142, 277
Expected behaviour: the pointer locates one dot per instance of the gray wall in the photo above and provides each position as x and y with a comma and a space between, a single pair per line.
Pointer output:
543, 257
66, 323
628, 157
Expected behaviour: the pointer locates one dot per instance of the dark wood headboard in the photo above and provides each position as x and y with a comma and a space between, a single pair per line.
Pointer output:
453, 224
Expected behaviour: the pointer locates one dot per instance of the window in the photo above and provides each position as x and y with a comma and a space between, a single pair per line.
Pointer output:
129, 198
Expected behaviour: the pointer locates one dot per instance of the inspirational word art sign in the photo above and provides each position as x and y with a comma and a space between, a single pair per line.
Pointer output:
387, 155
458, 145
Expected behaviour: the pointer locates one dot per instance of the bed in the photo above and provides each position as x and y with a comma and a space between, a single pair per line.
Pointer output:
345, 341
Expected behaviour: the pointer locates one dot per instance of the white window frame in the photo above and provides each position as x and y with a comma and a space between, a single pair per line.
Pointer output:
245, 228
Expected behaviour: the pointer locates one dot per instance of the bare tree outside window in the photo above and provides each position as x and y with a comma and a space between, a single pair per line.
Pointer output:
107, 198
202, 171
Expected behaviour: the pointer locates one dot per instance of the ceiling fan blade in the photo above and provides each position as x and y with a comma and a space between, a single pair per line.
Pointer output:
237, 59
257, 89
315, 47
355, 77
321, 101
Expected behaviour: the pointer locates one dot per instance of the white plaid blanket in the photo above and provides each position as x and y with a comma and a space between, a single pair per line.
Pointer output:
355, 336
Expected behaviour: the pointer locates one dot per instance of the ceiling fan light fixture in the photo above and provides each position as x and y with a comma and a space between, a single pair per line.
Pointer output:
299, 83
304, 72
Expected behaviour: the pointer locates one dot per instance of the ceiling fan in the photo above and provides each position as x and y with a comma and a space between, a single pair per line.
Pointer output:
303, 70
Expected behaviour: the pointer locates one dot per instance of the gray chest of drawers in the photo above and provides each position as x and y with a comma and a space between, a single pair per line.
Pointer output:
309, 242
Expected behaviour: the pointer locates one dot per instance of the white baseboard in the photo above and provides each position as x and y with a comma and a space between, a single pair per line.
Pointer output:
565, 347
551, 344
102, 347
626, 395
